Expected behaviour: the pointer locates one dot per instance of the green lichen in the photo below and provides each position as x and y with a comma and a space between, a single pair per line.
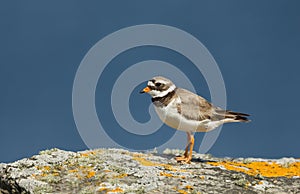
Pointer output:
43, 189
116, 169
48, 152
140, 190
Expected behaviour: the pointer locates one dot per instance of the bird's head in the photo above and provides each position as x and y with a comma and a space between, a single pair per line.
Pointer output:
159, 87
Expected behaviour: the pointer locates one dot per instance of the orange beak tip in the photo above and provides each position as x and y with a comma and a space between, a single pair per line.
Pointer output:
145, 90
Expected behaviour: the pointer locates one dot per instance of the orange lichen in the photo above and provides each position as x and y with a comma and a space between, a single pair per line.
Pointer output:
55, 174
182, 191
139, 155
189, 187
103, 189
116, 190
90, 174
82, 167
171, 168
73, 170
170, 175
86, 154
46, 168
166, 174
267, 169
145, 162
121, 175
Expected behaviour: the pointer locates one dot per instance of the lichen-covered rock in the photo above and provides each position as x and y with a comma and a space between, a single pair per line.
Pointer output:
121, 171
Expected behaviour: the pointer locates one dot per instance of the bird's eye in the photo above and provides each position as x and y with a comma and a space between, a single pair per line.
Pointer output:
157, 84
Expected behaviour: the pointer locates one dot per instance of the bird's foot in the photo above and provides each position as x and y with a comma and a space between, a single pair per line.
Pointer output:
183, 159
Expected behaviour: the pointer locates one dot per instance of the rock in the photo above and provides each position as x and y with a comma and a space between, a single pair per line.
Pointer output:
121, 171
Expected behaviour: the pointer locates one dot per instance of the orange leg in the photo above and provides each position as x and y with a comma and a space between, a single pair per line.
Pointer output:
187, 156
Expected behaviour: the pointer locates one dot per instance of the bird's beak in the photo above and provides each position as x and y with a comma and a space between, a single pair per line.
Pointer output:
145, 90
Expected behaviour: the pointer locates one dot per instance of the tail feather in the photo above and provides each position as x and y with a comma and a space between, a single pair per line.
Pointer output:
242, 117
237, 113
236, 116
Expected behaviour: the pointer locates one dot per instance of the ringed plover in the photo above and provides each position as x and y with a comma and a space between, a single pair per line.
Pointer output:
186, 111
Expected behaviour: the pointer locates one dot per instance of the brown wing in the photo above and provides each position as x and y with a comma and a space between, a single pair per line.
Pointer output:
194, 107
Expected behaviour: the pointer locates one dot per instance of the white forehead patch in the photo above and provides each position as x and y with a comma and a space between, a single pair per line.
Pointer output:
150, 83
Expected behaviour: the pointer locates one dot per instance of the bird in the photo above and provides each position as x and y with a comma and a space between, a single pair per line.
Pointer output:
186, 111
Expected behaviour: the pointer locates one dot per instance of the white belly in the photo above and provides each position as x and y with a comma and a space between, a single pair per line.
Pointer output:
172, 118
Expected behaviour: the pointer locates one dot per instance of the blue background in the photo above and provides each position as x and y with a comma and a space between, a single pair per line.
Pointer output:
255, 43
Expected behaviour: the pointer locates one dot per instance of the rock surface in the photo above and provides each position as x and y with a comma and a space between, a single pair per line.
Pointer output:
121, 171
